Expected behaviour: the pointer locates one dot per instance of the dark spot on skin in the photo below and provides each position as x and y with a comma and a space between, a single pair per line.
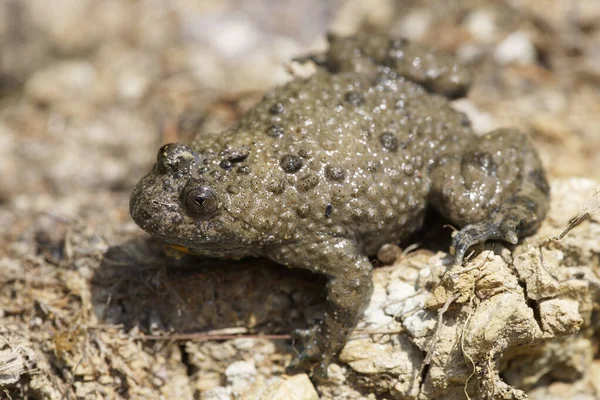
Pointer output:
539, 180
236, 155
354, 98
389, 141
277, 108
308, 182
244, 170
239, 158
275, 131
290, 163
328, 210
334, 173
226, 165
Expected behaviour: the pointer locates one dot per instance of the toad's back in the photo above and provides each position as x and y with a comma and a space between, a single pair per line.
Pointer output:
343, 154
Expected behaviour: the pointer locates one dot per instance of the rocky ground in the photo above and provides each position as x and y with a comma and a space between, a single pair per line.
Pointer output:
92, 308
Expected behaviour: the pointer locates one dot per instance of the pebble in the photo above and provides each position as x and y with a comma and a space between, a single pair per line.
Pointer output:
481, 25
516, 48
218, 393
240, 374
296, 387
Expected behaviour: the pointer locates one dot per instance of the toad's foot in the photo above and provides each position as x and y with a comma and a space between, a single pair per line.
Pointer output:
312, 357
480, 232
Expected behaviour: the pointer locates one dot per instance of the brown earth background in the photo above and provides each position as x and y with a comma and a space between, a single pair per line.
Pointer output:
89, 90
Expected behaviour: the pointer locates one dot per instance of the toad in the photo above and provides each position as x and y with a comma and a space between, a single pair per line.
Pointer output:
326, 169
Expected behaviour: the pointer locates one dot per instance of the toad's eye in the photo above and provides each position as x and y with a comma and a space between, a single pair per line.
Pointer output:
201, 203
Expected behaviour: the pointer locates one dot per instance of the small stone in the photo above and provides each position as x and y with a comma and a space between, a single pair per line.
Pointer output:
240, 374
481, 24
517, 48
560, 316
296, 387
218, 393
389, 253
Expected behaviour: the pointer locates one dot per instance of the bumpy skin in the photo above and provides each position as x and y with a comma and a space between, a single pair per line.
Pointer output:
325, 170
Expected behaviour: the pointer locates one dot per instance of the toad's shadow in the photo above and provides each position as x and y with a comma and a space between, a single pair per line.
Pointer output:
138, 285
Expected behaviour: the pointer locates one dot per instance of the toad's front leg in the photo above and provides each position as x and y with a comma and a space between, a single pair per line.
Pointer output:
349, 290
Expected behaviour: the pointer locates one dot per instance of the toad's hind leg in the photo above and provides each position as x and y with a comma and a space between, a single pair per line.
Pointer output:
495, 189
348, 292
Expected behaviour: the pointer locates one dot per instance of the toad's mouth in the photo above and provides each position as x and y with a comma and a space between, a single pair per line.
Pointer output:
211, 250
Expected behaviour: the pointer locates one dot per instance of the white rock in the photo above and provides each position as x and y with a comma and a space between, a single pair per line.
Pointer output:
481, 121
470, 52
374, 313
398, 290
240, 374
406, 305
399, 300
367, 357
297, 387
415, 24
560, 316
421, 323
481, 24
515, 49
218, 393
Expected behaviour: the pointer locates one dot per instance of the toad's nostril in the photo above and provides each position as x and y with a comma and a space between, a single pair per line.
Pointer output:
176, 157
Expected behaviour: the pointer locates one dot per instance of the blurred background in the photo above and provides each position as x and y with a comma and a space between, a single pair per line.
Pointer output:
90, 89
